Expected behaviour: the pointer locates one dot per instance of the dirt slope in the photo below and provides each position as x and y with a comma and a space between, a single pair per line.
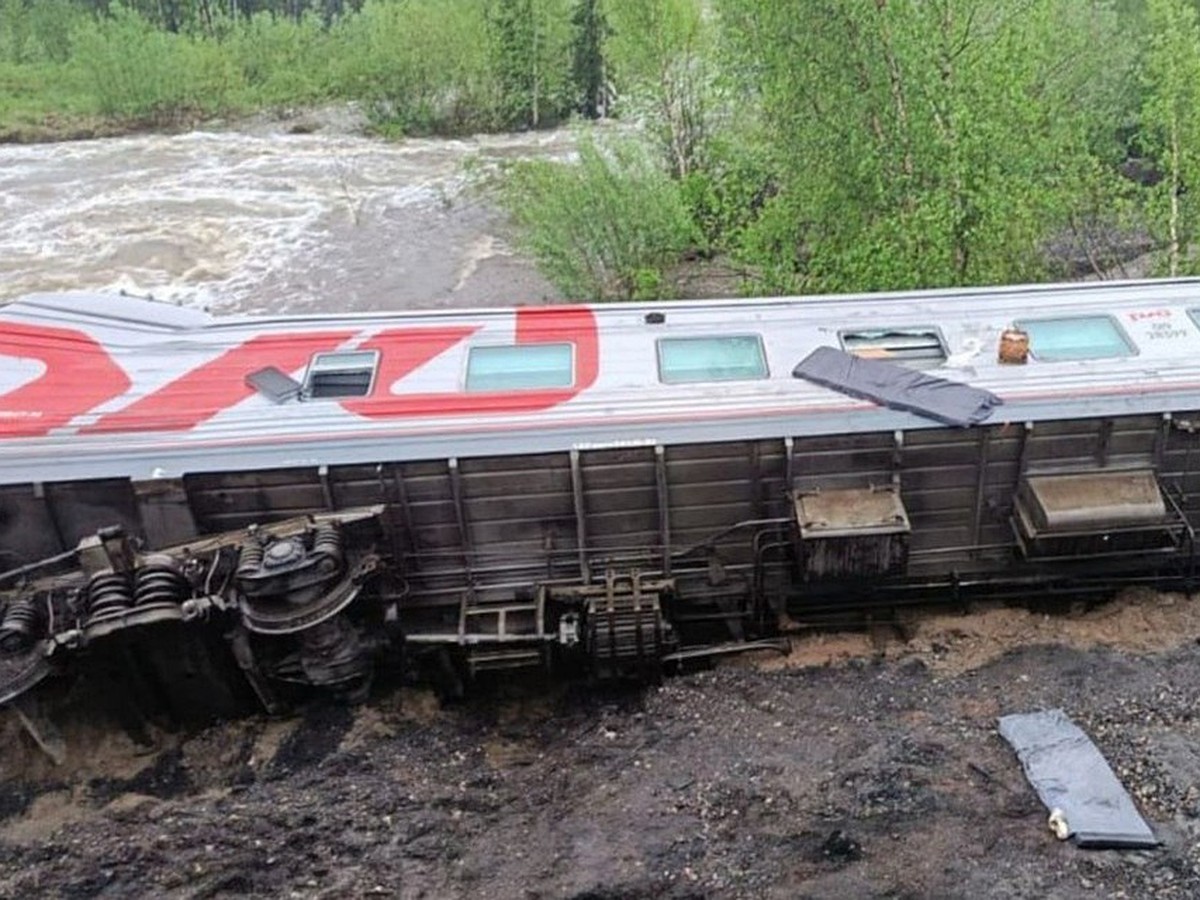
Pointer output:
874, 772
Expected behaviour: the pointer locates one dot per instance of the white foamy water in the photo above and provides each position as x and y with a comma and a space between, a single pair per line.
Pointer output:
264, 222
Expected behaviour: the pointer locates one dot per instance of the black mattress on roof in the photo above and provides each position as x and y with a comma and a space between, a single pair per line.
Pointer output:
897, 387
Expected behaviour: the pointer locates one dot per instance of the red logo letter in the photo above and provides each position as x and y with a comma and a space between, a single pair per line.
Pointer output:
406, 349
79, 376
218, 384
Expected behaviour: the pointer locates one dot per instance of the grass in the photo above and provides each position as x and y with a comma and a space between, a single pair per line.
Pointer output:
41, 101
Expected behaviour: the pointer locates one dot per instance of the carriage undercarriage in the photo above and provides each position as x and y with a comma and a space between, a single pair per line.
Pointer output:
213, 595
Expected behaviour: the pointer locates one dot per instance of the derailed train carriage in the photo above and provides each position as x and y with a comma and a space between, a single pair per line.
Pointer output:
204, 509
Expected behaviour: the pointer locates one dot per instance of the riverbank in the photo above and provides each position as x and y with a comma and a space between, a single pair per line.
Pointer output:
449, 68
52, 129
713, 169
30, 125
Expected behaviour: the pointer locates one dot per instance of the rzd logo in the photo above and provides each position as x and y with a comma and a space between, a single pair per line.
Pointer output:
80, 375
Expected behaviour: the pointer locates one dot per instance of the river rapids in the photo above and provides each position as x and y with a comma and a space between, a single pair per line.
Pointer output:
264, 220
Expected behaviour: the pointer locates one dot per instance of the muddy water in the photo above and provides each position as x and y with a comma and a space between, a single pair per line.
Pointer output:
262, 220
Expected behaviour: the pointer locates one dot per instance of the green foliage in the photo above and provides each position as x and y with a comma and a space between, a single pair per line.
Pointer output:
281, 60
726, 196
454, 66
589, 69
166, 76
39, 32
608, 227
922, 144
530, 57
1170, 127
423, 65
661, 52
23, 92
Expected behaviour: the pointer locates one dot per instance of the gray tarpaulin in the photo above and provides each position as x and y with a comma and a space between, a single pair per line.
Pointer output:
1071, 775
896, 386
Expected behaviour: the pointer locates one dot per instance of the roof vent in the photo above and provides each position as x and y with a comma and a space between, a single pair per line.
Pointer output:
913, 347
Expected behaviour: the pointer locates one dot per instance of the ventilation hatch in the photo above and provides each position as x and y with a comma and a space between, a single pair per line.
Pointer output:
916, 347
345, 373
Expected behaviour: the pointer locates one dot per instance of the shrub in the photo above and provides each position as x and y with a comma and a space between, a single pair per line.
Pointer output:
606, 227
282, 60
137, 70
422, 66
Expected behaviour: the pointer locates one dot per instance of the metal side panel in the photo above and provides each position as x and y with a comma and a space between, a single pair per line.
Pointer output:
81, 508
27, 530
850, 513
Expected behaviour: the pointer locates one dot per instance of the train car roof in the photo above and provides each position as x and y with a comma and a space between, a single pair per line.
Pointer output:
96, 385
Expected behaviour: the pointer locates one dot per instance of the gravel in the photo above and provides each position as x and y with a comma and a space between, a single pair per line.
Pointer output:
872, 777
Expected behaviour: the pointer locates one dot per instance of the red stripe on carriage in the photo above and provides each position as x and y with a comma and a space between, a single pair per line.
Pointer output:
206, 390
535, 325
79, 376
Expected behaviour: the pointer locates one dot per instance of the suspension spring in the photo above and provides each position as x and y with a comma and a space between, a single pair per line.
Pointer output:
250, 558
108, 592
160, 581
327, 542
20, 624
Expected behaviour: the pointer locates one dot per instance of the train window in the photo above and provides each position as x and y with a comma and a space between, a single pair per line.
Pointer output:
915, 347
342, 374
1076, 337
726, 358
521, 367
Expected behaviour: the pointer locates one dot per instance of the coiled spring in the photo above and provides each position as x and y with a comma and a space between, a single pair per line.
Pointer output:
251, 557
327, 546
160, 581
327, 541
109, 591
20, 624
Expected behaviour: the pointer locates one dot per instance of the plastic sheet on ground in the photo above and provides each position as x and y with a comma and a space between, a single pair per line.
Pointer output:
897, 387
1072, 777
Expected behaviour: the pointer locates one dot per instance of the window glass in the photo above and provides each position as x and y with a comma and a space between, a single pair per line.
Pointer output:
736, 358
1075, 337
915, 347
341, 374
520, 367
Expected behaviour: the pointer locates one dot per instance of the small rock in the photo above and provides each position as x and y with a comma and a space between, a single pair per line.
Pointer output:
842, 847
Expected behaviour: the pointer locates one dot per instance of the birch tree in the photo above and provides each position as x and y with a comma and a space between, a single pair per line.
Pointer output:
1170, 126
662, 52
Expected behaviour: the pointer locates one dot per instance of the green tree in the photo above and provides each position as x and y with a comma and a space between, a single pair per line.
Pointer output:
37, 32
530, 58
589, 70
1170, 125
661, 52
170, 75
422, 65
922, 143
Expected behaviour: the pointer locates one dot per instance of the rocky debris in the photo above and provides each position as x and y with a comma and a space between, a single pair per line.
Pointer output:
875, 778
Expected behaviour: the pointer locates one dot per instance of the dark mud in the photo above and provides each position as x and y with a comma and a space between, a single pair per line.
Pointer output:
871, 778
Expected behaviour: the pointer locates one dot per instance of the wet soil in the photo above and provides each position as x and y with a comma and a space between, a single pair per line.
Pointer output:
338, 118
868, 769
